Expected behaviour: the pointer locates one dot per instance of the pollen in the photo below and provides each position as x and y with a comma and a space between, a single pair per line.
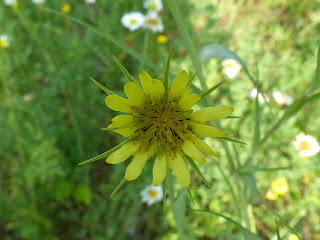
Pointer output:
164, 123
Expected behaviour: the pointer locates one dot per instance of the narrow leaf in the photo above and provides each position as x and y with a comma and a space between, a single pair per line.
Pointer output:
315, 84
124, 71
232, 140
278, 234
105, 154
203, 95
190, 195
193, 76
107, 91
195, 167
166, 71
109, 38
118, 187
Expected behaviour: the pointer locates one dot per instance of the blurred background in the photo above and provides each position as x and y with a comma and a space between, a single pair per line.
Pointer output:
51, 115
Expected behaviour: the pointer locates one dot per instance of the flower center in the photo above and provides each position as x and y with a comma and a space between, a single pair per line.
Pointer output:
153, 5
3, 43
133, 21
153, 21
162, 122
153, 193
305, 145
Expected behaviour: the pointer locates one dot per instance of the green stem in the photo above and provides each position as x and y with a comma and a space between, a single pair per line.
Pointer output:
169, 180
145, 48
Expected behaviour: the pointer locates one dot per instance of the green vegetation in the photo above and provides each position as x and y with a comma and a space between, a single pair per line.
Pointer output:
51, 114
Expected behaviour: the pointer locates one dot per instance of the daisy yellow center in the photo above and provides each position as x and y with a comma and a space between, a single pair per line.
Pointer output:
231, 66
305, 145
162, 122
153, 193
3, 43
153, 5
153, 21
133, 21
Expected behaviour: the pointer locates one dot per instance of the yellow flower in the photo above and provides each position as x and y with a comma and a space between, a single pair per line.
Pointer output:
270, 195
161, 38
4, 41
280, 186
66, 8
293, 237
160, 120
15, 5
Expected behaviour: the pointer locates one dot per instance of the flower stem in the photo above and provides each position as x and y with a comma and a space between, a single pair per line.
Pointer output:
177, 220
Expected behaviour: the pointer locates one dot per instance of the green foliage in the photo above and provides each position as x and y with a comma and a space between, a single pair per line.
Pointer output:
51, 113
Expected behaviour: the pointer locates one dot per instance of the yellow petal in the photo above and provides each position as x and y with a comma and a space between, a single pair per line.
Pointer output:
123, 153
181, 171
118, 103
188, 101
203, 146
205, 130
134, 169
146, 82
157, 90
122, 121
192, 151
212, 113
134, 93
169, 163
159, 170
126, 132
179, 84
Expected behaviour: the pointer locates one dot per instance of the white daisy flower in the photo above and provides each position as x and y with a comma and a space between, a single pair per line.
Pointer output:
231, 67
153, 22
282, 98
10, 2
306, 145
151, 194
262, 98
4, 41
28, 97
90, 1
132, 20
38, 1
153, 5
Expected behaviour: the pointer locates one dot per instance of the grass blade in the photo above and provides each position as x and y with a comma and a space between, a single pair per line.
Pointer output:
315, 84
246, 232
190, 195
107, 91
109, 38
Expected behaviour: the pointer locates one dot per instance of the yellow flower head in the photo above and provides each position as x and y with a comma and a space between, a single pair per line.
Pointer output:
66, 8
293, 237
160, 120
280, 186
270, 195
161, 38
